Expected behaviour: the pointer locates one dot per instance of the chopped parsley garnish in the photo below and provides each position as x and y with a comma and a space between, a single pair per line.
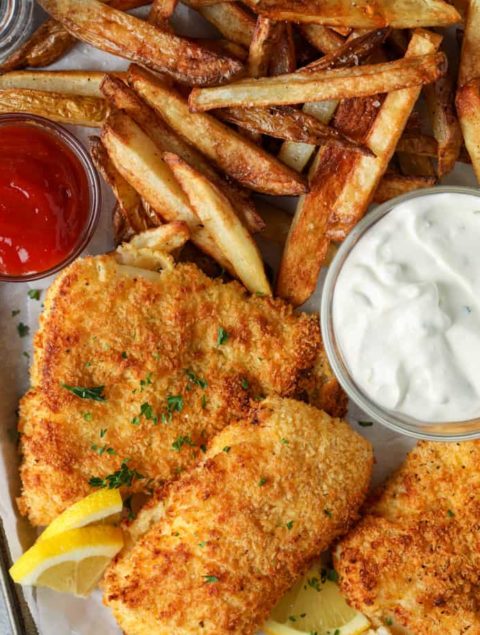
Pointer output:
203, 448
135, 421
34, 294
15, 312
23, 329
290, 525
146, 411
314, 583
204, 402
25, 354
245, 384
292, 618
227, 449
88, 416
260, 294
88, 364
450, 514
222, 336
95, 392
202, 544
124, 355
262, 481
195, 379
284, 441
147, 381
210, 578
174, 404
328, 513
331, 575
123, 476
103, 449
180, 441
388, 621
365, 424
103, 432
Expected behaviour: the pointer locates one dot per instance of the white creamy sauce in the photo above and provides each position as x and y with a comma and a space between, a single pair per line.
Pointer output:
406, 309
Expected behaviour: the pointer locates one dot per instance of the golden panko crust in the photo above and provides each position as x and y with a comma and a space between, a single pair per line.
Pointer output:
236, 531
415, 557
179, 355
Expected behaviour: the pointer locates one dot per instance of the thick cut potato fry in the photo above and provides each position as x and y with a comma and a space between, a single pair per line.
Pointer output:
321, 37
265, 37
415, 165
419, 144
393, 185
139, 161
124, 35
124, 98
225, 47
287, 123
85, 83
468, 108
233, 22
285, 59
128, 200
342, 83
239, 158
342, 186
219, 218
470, 58
362, 14
59, 107
167, 238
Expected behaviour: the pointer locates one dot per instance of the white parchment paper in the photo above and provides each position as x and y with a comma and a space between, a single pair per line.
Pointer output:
57, 614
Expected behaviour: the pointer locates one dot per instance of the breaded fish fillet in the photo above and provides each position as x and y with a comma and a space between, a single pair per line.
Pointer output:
237, 530
168, 359
414, 560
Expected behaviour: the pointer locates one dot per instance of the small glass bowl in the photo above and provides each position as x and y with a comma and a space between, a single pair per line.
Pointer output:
441, 431
69, 140
16, 24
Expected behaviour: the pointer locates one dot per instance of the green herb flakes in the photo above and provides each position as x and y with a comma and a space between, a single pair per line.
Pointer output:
23, 329
222, 336
95, 392
34, 294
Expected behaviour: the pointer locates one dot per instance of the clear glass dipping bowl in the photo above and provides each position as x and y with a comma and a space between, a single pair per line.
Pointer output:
16, 24
442, 431
68, 139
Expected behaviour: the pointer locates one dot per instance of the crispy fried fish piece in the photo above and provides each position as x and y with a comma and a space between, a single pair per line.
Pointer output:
176, 356
414, 560
235, 532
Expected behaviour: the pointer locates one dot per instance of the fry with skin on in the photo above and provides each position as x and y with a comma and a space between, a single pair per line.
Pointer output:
321, 37
220, 220
124, 35
415, 165
320, 85
238, 157
85, 83
468, 93
139, 161
284, 60
361, 14
160, 13
393, 185
264, 39
124, 98
233, 22
128, 200
342, 185
60, 107
419, 144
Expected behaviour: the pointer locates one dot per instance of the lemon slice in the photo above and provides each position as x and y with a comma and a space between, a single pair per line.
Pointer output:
315, 605
104, 506
70, 562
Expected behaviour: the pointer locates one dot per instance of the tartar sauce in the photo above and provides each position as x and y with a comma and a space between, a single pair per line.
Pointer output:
406, 309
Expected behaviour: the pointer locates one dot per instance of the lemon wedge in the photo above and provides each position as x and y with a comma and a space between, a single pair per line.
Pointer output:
315, 605
103, 506
70, 562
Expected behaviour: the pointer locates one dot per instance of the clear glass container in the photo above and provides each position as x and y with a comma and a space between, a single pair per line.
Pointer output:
441, 431
94, 189
16, 24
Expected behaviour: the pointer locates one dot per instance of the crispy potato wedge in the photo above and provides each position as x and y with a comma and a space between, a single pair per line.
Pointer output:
285, 59
143, 258
393, 185
124, 35
128, 200
139, 161
287, 123
85, 83
306, 86
277, 223
60, 107
321, 37
168, 238
239, 158
233, 22
418, 144
124, 98
362, 14
342, 186
219, 218
470, 57
415, 165
265, 37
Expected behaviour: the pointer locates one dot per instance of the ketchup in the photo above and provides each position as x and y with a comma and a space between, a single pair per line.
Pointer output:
44, 199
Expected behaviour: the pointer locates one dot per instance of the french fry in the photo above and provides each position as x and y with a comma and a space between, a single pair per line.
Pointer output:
415, 165
139, 161
219, 218
160, 13
124, 35
168, 237
285, 59
277, 223
341, 83
362, 14
342, 184
418, 144
122, 231
393, 185
59, 107
124, 98
440, 100
86, 83
236, 156
225, 47
321, 37
468, 92
286, 123
233, 22
264, 39
129, 203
